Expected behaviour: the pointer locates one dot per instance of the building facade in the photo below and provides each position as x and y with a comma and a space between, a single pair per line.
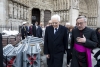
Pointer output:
14, 12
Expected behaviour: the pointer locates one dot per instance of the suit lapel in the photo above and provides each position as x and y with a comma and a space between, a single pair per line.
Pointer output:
58, 32
52, 32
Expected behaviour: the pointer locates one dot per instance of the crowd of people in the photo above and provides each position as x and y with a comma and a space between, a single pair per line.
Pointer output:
76, 41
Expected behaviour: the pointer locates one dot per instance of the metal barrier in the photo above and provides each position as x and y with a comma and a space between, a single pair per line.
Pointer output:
25, 54
6, 50
13, 58
31, 54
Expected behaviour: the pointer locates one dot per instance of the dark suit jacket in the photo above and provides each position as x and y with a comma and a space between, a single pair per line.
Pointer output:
34, 30
30, 30
91, 43
37, 32
55, 45
1, 51
24, 31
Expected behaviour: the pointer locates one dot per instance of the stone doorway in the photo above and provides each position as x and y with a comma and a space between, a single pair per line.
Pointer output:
35, 15
47, 16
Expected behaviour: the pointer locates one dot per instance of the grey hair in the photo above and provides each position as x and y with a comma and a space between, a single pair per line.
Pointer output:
56, 16
85, 19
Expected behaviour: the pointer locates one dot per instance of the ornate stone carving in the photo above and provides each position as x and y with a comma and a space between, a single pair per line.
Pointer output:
42, 15
10, 11
15, 10
75, 4
19, 11
24, 12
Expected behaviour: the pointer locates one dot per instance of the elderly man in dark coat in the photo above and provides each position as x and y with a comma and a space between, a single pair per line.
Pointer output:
82, 42
55, 42
24, 30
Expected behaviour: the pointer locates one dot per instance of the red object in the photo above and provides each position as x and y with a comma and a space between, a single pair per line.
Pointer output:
10, 62
31, 58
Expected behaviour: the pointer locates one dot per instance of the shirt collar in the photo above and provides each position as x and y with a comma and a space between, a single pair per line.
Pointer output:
57, 28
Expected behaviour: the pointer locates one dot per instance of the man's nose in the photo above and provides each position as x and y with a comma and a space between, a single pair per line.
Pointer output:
54, 24
79, 25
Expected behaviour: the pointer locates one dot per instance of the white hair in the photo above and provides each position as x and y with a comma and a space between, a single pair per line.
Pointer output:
67, 23
85, 19
56, 16
24, 23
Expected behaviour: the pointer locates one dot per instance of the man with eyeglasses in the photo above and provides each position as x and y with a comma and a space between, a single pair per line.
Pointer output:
55, 42
82, 42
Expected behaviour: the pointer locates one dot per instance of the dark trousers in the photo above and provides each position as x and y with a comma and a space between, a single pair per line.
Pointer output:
23, 37
69, 56
1, 51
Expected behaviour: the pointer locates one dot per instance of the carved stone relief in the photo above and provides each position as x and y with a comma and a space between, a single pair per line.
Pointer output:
75, 4
10, 11
24, 13
19, 10
15, 10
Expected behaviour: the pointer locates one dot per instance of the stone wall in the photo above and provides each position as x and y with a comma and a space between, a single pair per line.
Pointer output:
14, 12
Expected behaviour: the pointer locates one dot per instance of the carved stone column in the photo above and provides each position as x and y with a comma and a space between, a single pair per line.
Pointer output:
25, 11
15, 10
74, 12
19, 10
10, 11
27, 14
41, 15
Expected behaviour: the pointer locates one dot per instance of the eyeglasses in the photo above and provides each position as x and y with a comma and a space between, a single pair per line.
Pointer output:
81, 23
54, 22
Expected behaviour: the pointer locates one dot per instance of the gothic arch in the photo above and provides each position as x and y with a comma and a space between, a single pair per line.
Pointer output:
61, 7
89, 8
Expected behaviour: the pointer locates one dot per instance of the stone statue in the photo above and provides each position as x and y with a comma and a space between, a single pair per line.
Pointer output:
75, 4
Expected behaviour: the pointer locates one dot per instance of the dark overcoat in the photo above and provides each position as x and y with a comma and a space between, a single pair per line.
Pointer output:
55, 45
1, 51
91, 43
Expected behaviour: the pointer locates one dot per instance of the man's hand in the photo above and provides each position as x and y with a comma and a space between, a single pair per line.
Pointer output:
81, 40
48, 56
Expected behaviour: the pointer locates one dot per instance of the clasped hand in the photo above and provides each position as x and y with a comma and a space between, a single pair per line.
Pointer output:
81, 40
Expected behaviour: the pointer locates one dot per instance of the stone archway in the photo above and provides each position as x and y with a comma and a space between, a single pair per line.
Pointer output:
89, 8
35, 15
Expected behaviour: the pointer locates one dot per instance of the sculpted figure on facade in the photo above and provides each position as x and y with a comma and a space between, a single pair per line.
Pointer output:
24, 10
19, 11
76, 4
10, 11
15, 10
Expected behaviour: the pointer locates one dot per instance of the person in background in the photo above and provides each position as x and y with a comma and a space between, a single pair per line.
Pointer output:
24, 30
1, 51
37, 30
49, 23
43, 29
98, 36
55, 42
34, 28
96, 56
69, 54
30, 29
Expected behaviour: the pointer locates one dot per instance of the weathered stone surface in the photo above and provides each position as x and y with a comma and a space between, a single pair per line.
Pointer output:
17, 11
